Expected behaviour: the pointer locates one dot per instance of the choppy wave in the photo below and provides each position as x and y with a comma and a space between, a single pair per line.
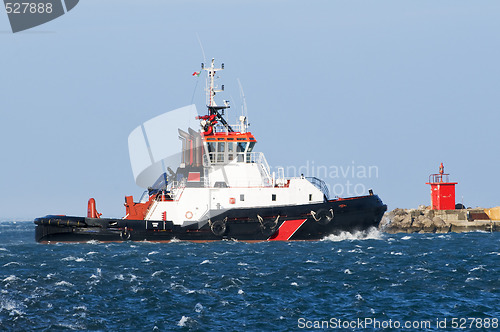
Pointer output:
231, 285
371, 234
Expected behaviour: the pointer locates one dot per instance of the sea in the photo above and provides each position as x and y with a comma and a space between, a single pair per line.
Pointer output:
362, 281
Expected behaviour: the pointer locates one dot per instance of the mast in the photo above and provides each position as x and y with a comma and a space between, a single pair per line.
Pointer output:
208, 121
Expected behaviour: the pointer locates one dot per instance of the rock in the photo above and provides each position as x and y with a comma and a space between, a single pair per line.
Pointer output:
427, 223
438, 222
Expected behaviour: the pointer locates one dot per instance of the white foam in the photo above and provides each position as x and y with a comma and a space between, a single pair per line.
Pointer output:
71, 258
347, 271
12, 306
198, 307
240, 292
97, 275
371, 234
206, 261
64, 283
294, 284
153, 253
183, 321
406, 238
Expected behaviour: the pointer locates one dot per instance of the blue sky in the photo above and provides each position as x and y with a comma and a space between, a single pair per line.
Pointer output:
397, 85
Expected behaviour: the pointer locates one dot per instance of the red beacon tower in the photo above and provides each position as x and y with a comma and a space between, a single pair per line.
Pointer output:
442, 191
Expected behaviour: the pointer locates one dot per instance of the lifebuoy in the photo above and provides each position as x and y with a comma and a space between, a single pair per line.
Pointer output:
189, 215
323, 216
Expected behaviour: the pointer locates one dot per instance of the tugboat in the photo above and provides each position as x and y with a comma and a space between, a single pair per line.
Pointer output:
221, 189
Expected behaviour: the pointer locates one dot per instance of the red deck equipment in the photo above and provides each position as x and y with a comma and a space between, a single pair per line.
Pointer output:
442, 190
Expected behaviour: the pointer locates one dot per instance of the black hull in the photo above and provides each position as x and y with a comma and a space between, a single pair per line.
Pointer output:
252, 224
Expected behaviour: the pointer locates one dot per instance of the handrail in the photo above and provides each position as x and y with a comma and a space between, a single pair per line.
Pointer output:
320, 184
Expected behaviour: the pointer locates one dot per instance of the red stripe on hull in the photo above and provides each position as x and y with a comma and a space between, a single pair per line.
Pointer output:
286, 230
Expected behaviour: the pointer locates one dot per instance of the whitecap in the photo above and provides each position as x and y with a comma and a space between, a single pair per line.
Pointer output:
471, 279
82, 307
69, 258
91, 253
312, 262
206, 261
359, 297
153, 253
242, 264
64, 283
347, 271
157, 273
240, 292
396, 253
11, 263
97, 275
11, 278
480, 267
183, 321
406, 238
72, 258
294, 284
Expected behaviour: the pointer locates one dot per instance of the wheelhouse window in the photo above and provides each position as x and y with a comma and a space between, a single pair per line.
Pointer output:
211, 150
220, 151
230, 151
242, 198
240, 149
273, 197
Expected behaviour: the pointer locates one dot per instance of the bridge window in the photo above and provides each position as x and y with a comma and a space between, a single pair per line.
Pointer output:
273, 197
220, 152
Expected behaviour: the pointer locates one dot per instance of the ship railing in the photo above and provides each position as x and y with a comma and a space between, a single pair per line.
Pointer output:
222, 158
320, 184
219, 128
176, 188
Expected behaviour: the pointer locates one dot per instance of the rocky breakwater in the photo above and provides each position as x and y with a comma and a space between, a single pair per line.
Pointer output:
425, 220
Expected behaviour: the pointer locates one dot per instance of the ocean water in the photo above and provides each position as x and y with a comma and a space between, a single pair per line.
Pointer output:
342, 281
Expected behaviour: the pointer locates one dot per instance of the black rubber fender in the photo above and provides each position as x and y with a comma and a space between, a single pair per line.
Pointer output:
218, 227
